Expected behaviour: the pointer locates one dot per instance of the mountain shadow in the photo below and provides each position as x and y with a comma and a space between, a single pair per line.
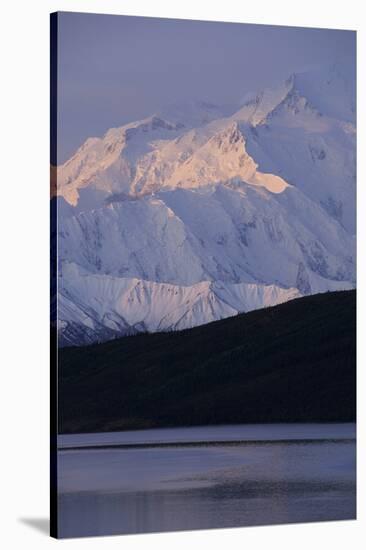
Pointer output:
295, 362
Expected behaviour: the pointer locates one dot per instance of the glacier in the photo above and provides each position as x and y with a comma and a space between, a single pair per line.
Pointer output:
200, 212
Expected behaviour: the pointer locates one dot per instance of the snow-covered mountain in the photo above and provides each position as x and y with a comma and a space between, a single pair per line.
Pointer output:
202, 212
111, 306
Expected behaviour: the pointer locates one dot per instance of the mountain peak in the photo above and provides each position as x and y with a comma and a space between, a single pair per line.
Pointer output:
257, 106
330, 91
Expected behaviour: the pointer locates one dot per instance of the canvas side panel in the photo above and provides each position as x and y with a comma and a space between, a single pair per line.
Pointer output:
53, 273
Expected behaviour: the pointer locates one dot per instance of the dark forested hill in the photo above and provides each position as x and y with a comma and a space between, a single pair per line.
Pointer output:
290, 363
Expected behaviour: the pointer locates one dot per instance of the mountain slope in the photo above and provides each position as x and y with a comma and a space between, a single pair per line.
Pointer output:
260, 193
111, 306
292, 362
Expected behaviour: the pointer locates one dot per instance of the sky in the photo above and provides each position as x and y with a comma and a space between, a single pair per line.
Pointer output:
116, 69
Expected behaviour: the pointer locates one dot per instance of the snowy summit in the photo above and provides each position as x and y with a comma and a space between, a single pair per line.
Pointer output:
200, 212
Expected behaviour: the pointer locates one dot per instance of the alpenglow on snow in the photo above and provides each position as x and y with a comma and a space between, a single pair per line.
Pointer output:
199, 212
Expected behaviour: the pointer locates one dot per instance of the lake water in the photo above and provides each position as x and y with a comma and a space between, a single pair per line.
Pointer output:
205, 477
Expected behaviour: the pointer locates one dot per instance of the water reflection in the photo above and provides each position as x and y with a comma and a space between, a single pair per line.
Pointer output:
149, 490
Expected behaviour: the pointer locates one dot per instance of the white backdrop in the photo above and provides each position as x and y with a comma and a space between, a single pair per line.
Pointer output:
24, 270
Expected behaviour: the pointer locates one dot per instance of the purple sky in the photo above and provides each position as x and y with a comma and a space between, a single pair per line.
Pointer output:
115, 69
